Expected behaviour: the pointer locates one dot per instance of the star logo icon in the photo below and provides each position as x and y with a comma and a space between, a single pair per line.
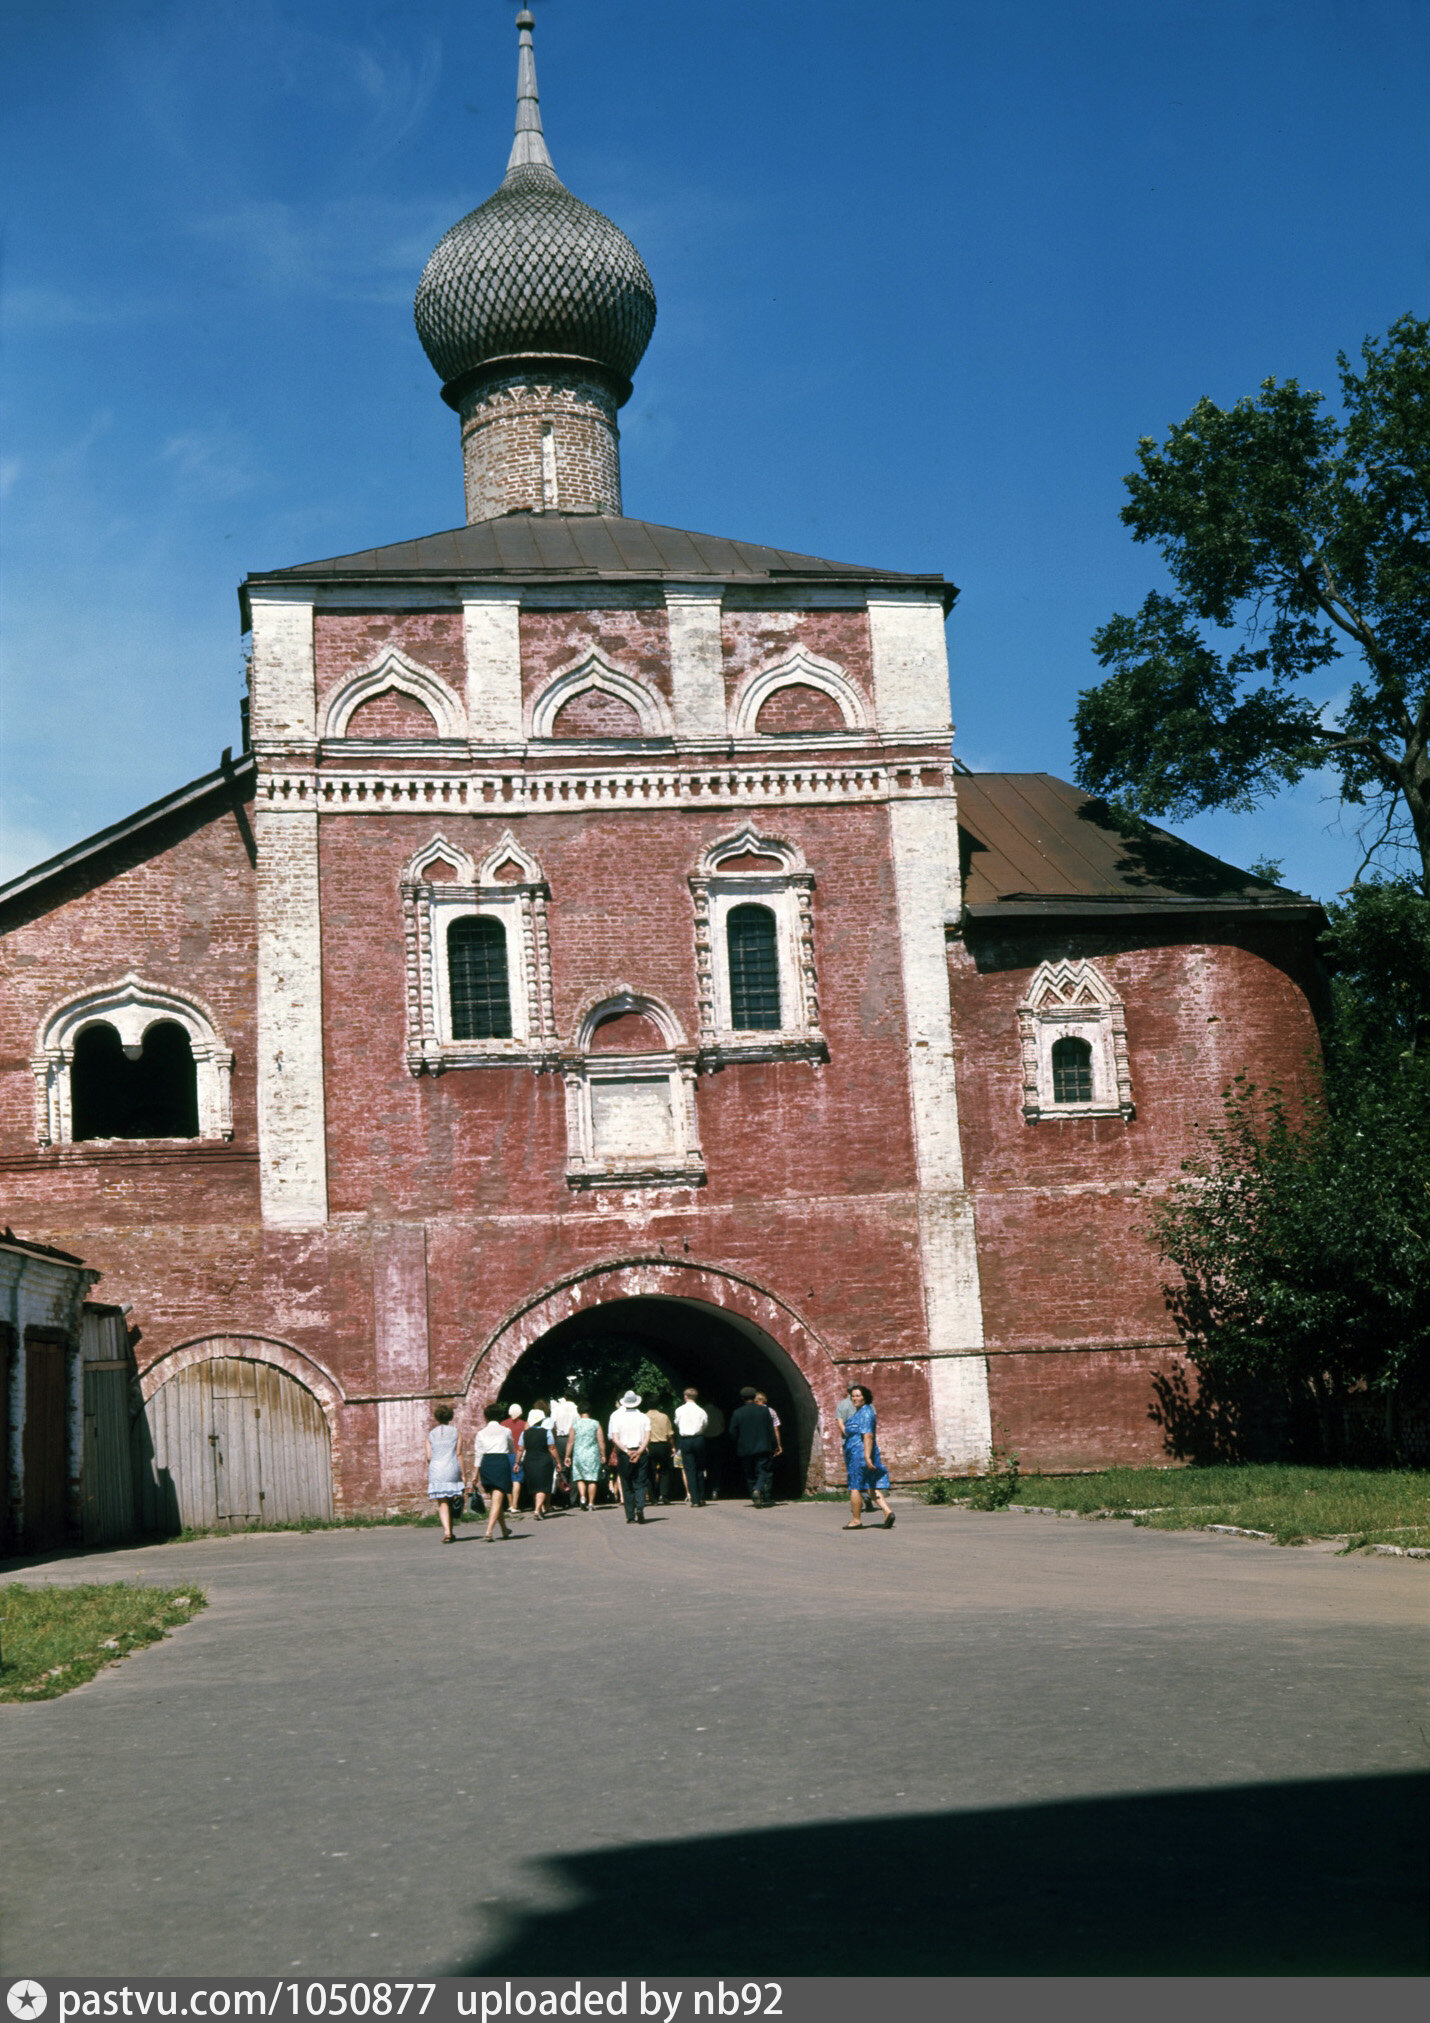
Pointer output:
26, 1999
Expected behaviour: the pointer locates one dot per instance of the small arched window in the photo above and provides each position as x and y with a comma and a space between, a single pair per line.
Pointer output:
1072, 1071
153, 1094
754, 970
477, 979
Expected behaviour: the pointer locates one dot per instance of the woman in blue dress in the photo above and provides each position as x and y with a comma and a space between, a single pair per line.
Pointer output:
444, 1469
867, 1474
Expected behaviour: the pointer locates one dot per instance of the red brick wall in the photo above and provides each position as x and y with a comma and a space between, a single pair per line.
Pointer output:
758, 639
393, 714
1063, 1207
181, 916
636, 641
346, 643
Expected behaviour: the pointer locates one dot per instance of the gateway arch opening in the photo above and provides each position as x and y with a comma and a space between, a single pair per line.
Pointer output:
661, 1345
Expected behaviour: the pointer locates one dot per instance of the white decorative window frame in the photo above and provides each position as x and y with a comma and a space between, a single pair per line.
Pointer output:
409, 677
788, 891
682, 1164
593, 670
131, 1006
1073, 1000
799, 670
430, 907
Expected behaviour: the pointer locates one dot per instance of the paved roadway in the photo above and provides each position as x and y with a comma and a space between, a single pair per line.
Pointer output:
735, 1742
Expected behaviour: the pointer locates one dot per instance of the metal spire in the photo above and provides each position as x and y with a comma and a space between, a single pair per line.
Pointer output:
528, 150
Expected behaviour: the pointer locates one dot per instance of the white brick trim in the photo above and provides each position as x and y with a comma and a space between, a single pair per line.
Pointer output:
798, 670
594, 671
131, 1006
292, 1126
697, 660
1074, 1000
924, 849
910, 655
491, 632
409, 677
283, 692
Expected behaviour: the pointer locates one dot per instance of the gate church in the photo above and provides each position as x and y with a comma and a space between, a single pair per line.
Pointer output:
596, 937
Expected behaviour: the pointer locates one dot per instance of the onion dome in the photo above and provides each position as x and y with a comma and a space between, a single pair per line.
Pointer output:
533, 274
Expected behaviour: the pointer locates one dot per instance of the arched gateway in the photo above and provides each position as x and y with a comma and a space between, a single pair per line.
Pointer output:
716, 1330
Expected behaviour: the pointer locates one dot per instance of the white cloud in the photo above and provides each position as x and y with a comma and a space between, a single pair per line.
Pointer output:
210, 463
365, 250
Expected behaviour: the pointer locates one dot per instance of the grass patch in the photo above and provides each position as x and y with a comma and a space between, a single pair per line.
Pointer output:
53, 1638
1366, 1506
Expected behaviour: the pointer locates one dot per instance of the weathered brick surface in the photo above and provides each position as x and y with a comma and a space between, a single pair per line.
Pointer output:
1064, 1208
529, 446
636, 641
594, 714
180, 915
1080, 1409
346, 643
809, 1215
392, 715
799, 707
757, 639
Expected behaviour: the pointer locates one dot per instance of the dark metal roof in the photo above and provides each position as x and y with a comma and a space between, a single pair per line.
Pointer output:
231, 780
587, 547
1035, 847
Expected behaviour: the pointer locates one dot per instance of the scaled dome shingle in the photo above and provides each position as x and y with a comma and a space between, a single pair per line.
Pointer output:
534, 271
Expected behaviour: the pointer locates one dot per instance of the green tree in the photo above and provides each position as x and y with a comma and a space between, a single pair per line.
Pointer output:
1296, 539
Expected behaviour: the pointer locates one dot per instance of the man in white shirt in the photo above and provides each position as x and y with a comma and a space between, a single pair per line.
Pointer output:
691, 1419
563, 1417
629, 1437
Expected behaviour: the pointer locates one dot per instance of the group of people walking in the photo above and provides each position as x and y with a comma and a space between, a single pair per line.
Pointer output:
640, 1454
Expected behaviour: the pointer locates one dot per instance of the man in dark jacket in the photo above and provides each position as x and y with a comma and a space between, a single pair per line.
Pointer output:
752, 1434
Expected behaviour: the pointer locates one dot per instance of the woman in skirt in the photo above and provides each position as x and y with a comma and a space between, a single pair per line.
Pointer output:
494, 1454
538, 1463
444, 1469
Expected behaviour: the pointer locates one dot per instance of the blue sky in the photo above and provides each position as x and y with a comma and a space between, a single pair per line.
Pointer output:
926, 273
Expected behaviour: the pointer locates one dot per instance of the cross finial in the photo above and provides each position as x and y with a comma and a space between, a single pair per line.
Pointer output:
528, 150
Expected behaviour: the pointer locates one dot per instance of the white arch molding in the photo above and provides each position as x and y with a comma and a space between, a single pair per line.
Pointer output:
594, 671
798, 670
395, 670
130, 1006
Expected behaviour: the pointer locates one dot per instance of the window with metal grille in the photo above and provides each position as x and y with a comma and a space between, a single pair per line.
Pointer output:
477, 977
754, 970
1072, 1071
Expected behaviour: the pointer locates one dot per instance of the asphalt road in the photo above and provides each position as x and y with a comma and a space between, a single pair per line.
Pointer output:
735, 1742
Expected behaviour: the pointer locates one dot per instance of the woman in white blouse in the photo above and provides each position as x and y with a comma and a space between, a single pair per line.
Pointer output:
494, 1458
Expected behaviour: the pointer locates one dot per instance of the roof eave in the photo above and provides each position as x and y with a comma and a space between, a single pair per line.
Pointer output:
1106, 907
228, 775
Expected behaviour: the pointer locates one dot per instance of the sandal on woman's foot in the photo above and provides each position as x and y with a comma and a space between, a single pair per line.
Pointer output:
888, 1523
851, 1527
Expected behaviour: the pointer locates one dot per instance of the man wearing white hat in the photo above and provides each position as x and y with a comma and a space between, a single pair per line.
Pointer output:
629, 1435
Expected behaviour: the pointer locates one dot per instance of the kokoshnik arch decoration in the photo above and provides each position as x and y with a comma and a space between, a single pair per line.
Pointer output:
443, 887
740, 879
630, 1115
1073, 1031
131, 1009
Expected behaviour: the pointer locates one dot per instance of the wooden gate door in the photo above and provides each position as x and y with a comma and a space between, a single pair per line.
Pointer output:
233, 1442
43, 1446
240, 1443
